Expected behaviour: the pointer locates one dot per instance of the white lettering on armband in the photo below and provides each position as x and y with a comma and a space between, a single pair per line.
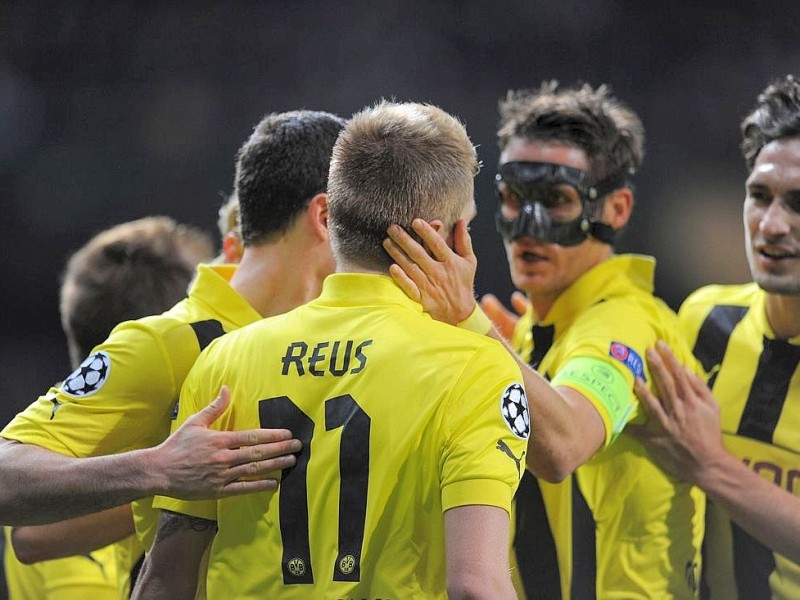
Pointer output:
603, 382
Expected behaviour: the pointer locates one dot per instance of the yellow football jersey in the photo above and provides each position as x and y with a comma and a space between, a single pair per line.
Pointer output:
123, 396
93, 576
755, 378
402, 418
619, 527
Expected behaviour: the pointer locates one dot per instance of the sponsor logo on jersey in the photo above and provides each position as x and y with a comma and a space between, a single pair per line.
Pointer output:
56, 406
89, 377
503, 447
628, 357
514, 408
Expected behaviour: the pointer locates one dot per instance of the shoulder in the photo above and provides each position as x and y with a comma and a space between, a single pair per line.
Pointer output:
635, 309
711, 295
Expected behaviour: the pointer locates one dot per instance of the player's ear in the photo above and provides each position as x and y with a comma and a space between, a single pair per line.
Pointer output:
618, 207
317, 213
437, 225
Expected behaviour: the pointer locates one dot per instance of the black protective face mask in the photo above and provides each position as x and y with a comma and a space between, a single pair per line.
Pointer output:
533, 183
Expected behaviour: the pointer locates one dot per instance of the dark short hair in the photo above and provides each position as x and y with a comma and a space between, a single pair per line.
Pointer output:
776, 115
610, 133
127, 272
280, 168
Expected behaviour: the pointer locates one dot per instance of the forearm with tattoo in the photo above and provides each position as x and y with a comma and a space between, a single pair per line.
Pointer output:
171, 523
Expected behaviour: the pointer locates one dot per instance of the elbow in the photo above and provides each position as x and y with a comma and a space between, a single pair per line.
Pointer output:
9, 504
476, 588
552, 468
26, 552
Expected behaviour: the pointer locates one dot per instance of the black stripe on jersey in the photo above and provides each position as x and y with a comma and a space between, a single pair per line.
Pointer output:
776, 365
542, 341
753, 564
534, 545
344, 412
584, 547
293, 501
713, 337
207, 332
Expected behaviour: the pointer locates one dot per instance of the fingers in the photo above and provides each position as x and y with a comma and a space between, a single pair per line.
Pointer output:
697, 385
259, 443
238, 487
261, 469
213, 411
430, 237
405, 272
394, 250
413, 252
663, 381
492, 306
502, 319
406, 284
520, 303
462, 241
651, 404
704, 398
677, 371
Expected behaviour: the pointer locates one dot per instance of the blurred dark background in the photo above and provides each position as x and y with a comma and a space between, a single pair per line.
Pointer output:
111, 111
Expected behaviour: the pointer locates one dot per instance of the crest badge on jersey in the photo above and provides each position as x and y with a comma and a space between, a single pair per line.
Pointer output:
514, 408
89, 377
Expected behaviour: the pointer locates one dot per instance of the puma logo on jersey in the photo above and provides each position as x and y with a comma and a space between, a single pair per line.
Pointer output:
56, 406
503, 447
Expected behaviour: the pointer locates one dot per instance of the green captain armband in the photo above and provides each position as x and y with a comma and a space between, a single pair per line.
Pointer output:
476, 322
604, 386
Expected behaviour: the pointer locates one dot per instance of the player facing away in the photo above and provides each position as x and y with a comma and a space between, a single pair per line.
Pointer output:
599, 518
98, 440
414, 432
126, 272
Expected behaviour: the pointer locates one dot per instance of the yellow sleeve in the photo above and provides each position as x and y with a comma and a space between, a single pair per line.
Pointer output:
74, 578
485, 432
119, 399
195, 395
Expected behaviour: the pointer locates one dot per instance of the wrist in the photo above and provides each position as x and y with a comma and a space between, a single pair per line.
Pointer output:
717, 472
476, 322
146, 475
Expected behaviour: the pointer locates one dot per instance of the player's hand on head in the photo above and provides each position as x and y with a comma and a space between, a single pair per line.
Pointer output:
503, 319
198, 462
437, 276
683, 425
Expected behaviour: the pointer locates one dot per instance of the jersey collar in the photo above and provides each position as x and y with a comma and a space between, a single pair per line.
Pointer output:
610, 278
212, 289
361, 289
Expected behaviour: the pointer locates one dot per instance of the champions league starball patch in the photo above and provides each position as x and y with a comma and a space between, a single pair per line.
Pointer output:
89, 377
628, 357
514, 408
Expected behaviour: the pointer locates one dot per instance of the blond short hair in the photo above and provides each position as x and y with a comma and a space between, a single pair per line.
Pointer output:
392, 163
228, 221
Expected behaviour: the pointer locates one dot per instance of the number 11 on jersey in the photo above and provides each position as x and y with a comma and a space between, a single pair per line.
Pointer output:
341, 411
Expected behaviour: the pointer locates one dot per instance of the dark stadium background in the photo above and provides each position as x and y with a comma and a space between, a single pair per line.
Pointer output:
115, 110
